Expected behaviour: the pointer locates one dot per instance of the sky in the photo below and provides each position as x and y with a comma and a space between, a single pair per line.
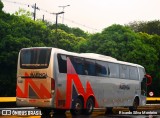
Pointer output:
90, 15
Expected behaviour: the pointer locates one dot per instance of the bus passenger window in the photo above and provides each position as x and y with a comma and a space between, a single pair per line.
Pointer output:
101, 68
89, 67
78, 65
141, 73
133, 72
124, 71
62, 63
114, 70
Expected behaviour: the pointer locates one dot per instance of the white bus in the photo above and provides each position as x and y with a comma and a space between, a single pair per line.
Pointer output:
55, 79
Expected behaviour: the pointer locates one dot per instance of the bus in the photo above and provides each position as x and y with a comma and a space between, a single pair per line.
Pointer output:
54, 79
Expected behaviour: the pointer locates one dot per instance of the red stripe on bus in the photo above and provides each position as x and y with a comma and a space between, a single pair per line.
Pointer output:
73, 77
19, 93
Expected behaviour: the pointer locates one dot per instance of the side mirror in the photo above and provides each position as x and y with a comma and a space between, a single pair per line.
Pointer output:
149, 79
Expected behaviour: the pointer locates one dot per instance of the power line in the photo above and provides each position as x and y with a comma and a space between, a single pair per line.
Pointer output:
15, 2
74, 22
40, 9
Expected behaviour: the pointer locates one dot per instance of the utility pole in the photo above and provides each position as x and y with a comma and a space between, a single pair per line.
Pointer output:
57, 25
63, 11
43, 18
34, 13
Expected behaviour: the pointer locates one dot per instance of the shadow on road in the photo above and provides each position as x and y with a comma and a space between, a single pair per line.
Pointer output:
91, 116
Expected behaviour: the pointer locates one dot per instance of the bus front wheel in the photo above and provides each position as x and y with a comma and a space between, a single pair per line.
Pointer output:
77, 107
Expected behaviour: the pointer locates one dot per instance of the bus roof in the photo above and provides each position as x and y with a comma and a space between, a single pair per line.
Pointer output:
90, 56
96, 57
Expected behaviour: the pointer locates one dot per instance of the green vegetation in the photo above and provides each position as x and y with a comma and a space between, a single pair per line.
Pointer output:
137, 42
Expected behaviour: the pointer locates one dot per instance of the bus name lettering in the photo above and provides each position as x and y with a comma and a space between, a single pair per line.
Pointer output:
124, 87
38, 75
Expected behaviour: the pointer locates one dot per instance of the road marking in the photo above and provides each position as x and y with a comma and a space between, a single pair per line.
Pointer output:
7, 99
18, 108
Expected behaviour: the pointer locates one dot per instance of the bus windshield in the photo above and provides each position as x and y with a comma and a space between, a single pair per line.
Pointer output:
35, 58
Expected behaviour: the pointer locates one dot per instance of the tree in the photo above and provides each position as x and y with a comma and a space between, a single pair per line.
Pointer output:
75, 31
149, 27
23, 13
79, 33
1, 6
114, 41
153, 41
67, 41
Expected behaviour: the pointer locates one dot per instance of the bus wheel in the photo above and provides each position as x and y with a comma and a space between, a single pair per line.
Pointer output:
109, 110
89, 106
77, 107
135, 105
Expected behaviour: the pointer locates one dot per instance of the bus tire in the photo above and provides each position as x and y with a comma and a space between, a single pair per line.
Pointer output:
89, 107
77, 107
135, 105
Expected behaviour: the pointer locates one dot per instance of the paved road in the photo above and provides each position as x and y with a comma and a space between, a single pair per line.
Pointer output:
31, 112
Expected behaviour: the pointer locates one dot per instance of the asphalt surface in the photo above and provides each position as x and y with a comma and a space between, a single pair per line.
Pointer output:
150, 111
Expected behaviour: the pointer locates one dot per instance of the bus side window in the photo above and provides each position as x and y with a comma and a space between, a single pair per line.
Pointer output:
114, 70
89, 67
62, 63
78, 64
124, 71
133, 73
141, 73
101, 69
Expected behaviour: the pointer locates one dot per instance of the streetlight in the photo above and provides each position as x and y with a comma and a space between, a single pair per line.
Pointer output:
57, 24
63, 11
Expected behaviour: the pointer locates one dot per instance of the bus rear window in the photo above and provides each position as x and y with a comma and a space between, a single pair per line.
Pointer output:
35, 58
